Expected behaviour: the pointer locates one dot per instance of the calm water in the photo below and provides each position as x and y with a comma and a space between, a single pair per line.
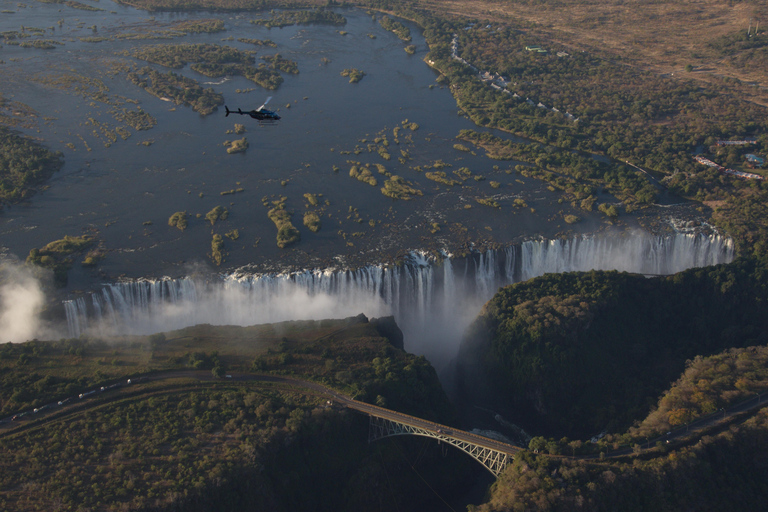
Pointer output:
125, 193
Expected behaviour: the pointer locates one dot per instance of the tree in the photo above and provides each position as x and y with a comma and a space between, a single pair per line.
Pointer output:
536, 444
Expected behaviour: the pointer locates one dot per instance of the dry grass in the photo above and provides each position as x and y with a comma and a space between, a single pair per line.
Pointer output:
660, 36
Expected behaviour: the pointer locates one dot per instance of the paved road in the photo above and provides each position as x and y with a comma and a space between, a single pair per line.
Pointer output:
381, 412
120, 389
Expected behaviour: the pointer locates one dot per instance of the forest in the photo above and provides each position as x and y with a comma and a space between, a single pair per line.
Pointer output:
579, 353
215, 443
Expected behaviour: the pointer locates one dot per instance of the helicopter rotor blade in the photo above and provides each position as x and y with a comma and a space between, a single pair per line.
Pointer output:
264, 105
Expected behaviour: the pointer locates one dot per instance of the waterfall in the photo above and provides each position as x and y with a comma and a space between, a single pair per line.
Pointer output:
433, 300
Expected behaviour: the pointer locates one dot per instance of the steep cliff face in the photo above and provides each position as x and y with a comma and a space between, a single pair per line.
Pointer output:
582, 352
330, 466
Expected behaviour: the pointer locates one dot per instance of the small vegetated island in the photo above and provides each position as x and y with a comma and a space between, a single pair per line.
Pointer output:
354, 74
24, 166
215, 61
284, 18
287, 233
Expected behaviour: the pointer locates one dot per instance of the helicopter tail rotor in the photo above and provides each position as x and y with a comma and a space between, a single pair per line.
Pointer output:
228, 111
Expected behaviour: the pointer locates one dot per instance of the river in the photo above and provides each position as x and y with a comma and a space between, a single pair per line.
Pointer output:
123, 192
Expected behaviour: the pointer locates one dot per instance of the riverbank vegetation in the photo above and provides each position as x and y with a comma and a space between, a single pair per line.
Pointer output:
654, 122
394, 26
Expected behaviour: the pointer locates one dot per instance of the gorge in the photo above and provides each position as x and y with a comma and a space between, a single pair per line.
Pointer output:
433, 299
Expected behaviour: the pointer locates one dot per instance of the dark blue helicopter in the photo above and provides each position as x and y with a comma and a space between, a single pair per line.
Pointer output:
261, 113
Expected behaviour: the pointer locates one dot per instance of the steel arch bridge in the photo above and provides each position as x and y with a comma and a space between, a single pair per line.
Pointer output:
494, 460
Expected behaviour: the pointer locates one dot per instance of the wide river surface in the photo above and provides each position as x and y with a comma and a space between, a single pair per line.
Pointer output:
121, 185
124, 191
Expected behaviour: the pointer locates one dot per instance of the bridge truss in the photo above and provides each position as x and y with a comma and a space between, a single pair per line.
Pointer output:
494, 461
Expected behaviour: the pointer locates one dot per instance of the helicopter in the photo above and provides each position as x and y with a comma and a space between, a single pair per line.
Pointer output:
261, 113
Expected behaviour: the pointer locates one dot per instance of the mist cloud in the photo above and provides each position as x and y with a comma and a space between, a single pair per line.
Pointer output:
21, 301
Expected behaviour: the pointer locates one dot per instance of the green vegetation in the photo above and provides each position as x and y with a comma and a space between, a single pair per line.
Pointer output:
363, 174
287, 233
666, 479
136, 119
73, 4
178, 220
543, 341
461, 147
24, 165
237, 146
609, 210
575, 175
397, 188
396, 27
571, 219
304, 17
258, 42
216, 214
204, 58
487, 201
441, 177
410, 49
217, 249
179, 89
58, 255
213, 61
708, 385
312, 221
278, 62
355, 75
41, 44
220, 443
